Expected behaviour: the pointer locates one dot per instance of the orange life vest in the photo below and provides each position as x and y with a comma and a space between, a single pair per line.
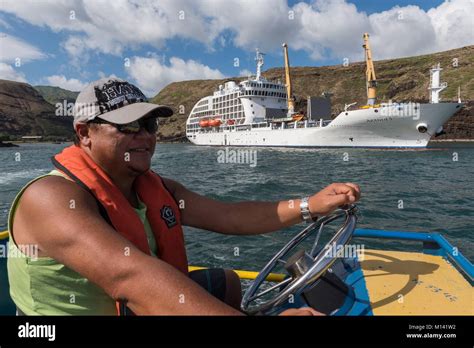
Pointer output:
162, 209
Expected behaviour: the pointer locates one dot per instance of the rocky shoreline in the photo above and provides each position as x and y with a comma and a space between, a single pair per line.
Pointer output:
2, 144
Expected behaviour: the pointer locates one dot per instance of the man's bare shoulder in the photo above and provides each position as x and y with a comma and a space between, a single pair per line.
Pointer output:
52, 209
56, 192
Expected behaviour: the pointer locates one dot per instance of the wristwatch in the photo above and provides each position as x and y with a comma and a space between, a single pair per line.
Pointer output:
305, 213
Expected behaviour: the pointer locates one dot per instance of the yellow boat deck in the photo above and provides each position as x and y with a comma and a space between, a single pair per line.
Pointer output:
409, 283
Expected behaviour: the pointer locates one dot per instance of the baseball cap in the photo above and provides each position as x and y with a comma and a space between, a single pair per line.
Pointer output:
116, 101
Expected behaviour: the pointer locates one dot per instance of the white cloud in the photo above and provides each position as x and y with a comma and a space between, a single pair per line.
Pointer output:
329, 28
111, 26
74, 85
7, 72
323, 28
245, 72
453, 23
401, 31
152, 74
13, 49
333, 29
101, 75
4, 23
77, 49
259, 24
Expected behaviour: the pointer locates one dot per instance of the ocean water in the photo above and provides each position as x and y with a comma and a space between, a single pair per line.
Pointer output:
435, 186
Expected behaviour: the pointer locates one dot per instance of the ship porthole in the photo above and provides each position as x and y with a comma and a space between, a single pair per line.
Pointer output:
376, 110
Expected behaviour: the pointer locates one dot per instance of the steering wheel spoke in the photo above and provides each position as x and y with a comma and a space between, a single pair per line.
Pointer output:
304, 269
270, 289
316, 240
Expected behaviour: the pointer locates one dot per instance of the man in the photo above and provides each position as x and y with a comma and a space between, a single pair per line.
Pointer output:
109, 230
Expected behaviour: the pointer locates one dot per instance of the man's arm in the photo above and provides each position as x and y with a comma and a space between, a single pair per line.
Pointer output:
80, 239
256, 217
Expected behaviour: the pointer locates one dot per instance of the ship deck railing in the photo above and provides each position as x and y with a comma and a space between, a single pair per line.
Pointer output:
266, 124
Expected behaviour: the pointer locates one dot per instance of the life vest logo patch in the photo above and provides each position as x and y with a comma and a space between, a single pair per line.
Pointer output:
167, 214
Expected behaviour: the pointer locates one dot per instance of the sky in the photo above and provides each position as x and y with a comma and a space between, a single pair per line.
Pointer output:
152, 43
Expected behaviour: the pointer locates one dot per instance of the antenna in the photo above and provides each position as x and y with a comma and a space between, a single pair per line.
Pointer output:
260, 62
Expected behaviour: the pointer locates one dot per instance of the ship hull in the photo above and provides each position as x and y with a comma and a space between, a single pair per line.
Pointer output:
391, 126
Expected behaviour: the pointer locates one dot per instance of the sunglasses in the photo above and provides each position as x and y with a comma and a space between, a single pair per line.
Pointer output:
150, 124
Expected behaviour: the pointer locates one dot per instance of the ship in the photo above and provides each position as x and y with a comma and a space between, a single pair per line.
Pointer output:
259, 112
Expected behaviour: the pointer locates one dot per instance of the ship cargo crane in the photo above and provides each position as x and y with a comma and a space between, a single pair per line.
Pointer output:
290, 98
370, 72
289, 89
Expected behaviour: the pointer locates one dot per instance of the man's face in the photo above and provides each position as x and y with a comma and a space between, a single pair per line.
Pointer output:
121, 153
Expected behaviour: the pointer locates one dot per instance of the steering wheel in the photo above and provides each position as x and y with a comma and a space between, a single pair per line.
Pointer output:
303, 268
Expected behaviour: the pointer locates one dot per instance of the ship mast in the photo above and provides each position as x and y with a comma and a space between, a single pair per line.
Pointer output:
435, 85
289, 89
259, 60
370, 72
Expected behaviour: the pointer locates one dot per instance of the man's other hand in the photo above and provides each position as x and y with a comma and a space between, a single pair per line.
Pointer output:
304, 311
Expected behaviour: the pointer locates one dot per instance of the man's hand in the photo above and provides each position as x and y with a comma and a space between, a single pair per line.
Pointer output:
304, 311
332, 197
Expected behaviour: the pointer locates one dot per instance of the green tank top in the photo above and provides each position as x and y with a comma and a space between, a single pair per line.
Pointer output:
43, 286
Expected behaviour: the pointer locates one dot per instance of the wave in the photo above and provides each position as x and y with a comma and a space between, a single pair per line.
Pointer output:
9, 177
